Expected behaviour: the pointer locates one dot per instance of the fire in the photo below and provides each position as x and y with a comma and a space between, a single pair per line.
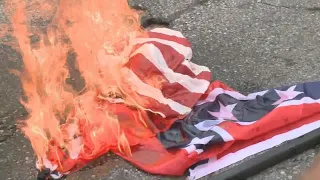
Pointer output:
65, 126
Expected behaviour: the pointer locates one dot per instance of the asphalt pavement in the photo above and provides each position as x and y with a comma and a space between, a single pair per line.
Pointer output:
248, 44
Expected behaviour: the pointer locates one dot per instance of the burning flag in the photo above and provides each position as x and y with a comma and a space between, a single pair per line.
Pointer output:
143, 98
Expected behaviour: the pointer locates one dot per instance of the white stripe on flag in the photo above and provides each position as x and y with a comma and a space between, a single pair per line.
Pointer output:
181, 49
206, 125
223, 133
191, 146
168, 32
196, 69
214, 165
217, 91
154, 55
199, 151
305, 100
154, 93
56, 176
204, 140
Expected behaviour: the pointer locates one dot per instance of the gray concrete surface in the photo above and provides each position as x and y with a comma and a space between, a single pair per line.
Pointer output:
248, 44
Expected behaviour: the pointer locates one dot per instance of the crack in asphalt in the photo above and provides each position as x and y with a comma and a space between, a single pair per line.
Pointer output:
179, 13
310, 9
148, 21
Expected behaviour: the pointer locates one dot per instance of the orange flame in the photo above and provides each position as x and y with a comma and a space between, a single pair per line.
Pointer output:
60, 120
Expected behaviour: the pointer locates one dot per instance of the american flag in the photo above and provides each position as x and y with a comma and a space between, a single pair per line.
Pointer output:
204, 127
164, 57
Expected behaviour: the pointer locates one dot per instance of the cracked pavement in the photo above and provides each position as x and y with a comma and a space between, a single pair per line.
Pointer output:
248, 44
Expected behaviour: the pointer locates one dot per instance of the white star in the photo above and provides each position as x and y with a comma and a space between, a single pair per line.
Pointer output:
287, 95
225, 112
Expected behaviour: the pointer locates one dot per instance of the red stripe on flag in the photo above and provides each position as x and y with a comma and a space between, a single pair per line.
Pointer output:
182, 41
183, 69
149, 74
172, 57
